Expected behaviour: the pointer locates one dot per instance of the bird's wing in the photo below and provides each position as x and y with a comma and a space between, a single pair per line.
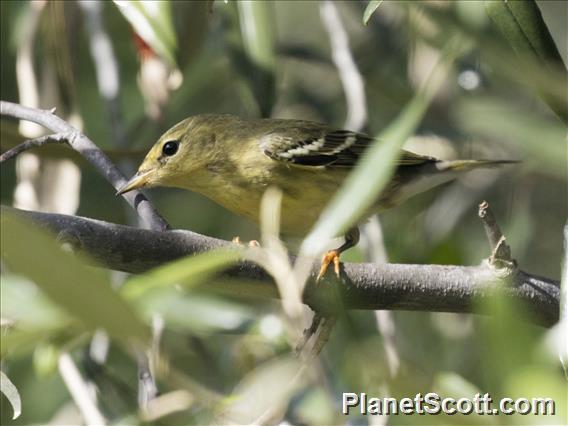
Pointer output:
317, 146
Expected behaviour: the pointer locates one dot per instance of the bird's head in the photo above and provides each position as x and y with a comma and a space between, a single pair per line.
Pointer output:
178, 155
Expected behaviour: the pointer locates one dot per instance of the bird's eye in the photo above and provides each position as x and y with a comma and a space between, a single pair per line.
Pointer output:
170, 148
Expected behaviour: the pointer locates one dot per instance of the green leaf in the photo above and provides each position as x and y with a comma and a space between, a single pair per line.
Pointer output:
83, 291
188, 272
27, 307
496, 120
522, 25
11, 392
363, 186
152, 21
370, 9
259, 60
264, 391
197, 313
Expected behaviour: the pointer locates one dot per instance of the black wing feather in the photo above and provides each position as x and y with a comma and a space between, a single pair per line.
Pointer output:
317, 146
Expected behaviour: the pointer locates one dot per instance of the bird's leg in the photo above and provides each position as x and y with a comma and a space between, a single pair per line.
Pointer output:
252, 243
351, 240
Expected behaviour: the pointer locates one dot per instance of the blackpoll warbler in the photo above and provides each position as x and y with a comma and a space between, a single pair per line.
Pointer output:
233, 161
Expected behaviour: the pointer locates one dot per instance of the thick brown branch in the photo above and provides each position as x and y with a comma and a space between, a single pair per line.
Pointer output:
433, 288
92, 153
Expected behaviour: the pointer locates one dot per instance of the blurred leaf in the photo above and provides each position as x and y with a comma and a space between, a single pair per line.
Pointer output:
364, 184
83, 291
197, 313
509, 341
522, 25
16, 342
258, 34
152, 20
11, 392
540, 382
512, 361
451, 384
188, 271
264, 394
257, 30
370, 9
33, 318
316, 408
26, 306
45, 359
191, 20
550, 81
543, 141
472, 13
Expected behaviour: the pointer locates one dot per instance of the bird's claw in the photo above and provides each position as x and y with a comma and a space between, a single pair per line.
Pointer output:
328, 258
252, 243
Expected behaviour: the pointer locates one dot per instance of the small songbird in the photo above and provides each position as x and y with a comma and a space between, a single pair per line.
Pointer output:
233, 161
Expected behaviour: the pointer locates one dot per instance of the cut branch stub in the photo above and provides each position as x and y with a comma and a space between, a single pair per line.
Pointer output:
500, 258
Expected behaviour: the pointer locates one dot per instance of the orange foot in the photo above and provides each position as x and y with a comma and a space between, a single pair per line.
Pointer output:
252, 243
328, 258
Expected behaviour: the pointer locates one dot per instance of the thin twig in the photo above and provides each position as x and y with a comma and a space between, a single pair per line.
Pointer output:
147, 389
308, 333
79, 391
106, 67
349, 74
354, 89
321, 336
33, 143
563, 323
108, 82
84, 146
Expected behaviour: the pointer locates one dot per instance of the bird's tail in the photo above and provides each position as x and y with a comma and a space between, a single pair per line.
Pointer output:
465, 165
413, 180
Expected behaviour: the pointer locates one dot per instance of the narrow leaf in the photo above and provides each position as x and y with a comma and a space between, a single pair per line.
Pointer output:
263, 392
522, 25
259, 60
364, 185
12, 394
152, 21
81, 290
370, 9
494, 119
188, 271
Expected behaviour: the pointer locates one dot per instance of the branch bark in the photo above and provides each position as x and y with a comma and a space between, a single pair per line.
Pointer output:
434, 288
82, 144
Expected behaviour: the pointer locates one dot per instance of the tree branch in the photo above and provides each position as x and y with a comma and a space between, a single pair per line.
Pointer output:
434, 288
500, 250
92, 153
33, 143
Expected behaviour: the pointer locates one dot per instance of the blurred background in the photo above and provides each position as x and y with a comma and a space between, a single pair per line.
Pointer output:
124, 72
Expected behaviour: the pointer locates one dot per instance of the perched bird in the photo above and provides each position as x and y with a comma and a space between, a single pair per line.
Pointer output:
233, 161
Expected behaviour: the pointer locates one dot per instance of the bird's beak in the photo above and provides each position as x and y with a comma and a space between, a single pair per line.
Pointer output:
139, 180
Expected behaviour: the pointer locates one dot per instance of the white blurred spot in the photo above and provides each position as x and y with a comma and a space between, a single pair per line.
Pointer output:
469, 80
271, 327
